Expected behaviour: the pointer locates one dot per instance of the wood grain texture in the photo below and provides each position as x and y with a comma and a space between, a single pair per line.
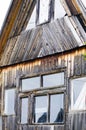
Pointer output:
44, 40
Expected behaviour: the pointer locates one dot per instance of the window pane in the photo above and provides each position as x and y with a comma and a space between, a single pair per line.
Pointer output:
0, 123
53, 80
56, 108
31, 83
79, 93
43, 12
41, 109
31, 23
24, 110
59, 10
9, 101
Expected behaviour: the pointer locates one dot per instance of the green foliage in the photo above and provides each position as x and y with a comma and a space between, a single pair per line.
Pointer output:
85, 53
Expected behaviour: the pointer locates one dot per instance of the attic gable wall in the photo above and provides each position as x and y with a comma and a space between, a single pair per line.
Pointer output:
44, 40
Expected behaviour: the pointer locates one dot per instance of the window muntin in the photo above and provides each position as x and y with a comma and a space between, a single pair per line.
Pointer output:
56, 108
52, 80
9, 102
78, 98
41, 109
24, 110
30, 83
59, 11
43, 11
53, 114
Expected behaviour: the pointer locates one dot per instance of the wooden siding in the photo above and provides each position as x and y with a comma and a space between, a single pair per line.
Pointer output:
44, 40
77, 121
11, 75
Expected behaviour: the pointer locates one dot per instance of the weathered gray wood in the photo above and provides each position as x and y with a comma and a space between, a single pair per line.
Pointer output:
44, 40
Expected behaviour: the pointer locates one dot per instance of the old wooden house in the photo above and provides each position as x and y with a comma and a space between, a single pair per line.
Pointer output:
42, 66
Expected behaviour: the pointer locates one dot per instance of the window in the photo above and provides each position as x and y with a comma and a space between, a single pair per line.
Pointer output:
9, 101
43, 10
39, 104
53, 114
59, 11
78, 99
56, 108
30, 83
24, 110
32, 22
52, 80
41, 109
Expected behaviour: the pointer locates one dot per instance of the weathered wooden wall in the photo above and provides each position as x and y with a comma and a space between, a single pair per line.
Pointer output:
44, 40
74, 65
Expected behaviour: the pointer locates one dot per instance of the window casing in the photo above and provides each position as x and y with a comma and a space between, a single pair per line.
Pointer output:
78, 94
42, 103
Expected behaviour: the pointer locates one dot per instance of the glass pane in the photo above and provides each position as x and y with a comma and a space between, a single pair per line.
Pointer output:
41, 107
56, 108
79, 93
31, 23
59, 10
53, 80
31, 83
43, 12
0, 123
24, 110
9, 101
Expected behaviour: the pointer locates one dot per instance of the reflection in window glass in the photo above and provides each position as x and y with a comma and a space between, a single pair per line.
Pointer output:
53, 80
59, 10
31, 24
24, 110
56, 108
30, 83
79, 93
43, 12
9, 101
0, 123
41, 107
